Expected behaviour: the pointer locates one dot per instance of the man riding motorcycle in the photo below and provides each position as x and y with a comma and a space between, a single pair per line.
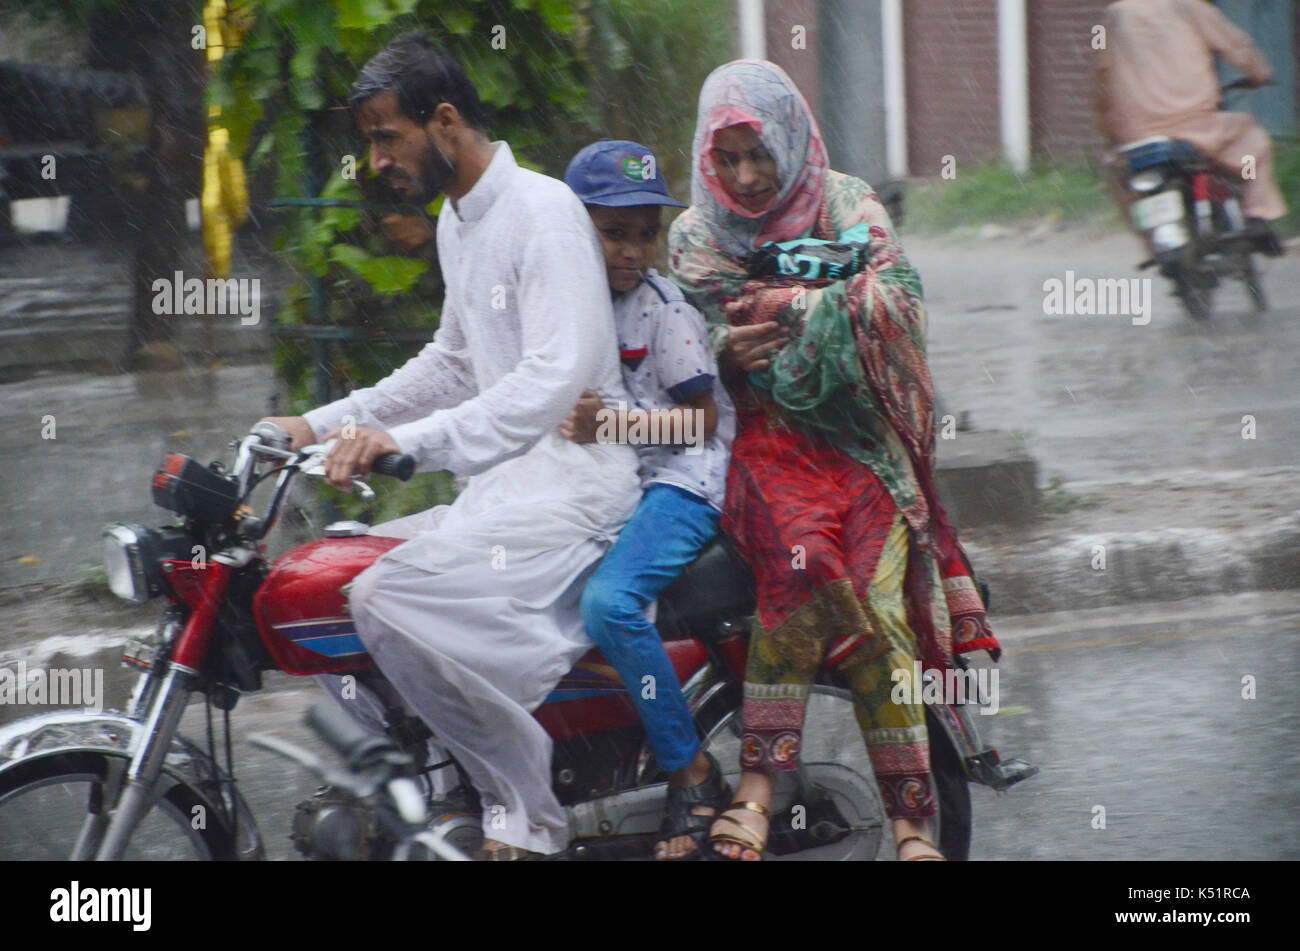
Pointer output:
476, 617
1156, 77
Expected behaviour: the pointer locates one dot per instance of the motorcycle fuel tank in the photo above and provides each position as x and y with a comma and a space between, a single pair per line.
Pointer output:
302, 613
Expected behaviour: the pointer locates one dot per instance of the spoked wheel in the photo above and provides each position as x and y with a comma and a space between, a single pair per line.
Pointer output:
47, 806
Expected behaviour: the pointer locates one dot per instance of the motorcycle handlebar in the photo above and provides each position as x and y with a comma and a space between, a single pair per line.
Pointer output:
400, 467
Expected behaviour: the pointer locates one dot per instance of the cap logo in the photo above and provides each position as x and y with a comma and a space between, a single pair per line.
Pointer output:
637, 168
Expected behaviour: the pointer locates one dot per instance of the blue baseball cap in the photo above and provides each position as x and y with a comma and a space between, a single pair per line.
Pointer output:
618, 174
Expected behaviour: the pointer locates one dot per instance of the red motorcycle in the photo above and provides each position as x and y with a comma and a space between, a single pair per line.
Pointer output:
127, 785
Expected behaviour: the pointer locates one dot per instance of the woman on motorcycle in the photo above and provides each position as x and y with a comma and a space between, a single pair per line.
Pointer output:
831, 495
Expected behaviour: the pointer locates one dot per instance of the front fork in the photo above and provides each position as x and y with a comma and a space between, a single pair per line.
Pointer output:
165, 704
140, 776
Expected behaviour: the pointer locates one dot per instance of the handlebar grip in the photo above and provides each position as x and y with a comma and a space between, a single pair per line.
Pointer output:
400, 467
348, 737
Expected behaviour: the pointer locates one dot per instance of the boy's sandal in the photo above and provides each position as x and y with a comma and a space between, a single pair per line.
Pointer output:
918, 858
679, 810
747, 839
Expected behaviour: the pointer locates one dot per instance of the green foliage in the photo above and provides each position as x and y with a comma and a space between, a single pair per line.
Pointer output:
647, 63
996, 193
283, 96
554, 75
1286, 154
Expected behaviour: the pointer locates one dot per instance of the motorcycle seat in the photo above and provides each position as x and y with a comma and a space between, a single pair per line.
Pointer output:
1158, 150
715, 588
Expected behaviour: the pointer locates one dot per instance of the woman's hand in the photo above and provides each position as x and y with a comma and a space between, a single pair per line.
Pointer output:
580, 425
751, 348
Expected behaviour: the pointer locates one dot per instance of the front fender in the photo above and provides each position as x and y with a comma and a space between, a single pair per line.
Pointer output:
67, 731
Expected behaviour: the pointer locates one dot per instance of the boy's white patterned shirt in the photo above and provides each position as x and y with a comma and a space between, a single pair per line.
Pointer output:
667, 358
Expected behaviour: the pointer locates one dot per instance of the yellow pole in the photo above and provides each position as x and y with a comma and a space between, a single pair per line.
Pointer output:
224, 202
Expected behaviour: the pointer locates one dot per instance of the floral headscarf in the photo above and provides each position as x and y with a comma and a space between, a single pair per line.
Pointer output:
760, 95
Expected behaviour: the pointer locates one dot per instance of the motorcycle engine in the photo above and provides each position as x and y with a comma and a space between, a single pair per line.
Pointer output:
333, 826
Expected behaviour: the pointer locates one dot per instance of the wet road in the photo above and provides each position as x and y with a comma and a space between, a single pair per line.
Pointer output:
109, 433
1098, 397
1145, 720
1150, 724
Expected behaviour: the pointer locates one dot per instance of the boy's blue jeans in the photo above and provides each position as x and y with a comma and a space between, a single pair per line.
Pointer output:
664, 535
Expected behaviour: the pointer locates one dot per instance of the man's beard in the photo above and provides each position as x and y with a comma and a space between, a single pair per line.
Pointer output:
436, 171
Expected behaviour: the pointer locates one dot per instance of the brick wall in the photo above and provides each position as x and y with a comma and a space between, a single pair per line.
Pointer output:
1062, 123
951, 49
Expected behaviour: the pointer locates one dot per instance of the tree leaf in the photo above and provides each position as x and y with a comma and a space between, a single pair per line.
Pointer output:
387, 275
364, 14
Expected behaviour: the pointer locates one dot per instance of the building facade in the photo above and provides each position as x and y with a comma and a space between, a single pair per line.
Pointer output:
905, 87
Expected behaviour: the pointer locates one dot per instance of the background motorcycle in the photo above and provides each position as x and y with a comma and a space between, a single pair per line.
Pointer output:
127, 785
1190, 214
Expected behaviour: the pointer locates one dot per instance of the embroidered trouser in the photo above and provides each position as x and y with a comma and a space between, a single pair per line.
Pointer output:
829, 551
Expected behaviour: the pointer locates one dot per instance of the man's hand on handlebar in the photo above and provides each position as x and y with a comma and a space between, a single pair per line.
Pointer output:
355, 453
299, 430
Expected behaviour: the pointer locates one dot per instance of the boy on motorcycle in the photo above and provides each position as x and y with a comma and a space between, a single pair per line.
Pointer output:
1156, 77
670, 371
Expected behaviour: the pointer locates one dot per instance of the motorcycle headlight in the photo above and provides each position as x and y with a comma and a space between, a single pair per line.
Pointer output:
1144, 182
131, 556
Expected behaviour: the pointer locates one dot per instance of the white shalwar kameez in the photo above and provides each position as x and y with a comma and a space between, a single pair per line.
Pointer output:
475, 618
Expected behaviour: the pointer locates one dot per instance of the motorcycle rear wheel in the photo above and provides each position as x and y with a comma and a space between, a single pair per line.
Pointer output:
1254, 287
44, 803
951, 787
1197, 301
953, 792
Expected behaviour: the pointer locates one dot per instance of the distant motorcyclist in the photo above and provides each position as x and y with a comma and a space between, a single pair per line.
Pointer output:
1156, 76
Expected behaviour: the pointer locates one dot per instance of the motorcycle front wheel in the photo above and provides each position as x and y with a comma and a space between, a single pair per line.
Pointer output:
46, 804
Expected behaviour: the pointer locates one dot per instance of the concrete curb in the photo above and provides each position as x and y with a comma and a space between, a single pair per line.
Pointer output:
1142, 548
986, 477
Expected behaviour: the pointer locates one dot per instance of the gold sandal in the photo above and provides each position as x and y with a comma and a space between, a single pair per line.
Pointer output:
918, 858
748, 838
